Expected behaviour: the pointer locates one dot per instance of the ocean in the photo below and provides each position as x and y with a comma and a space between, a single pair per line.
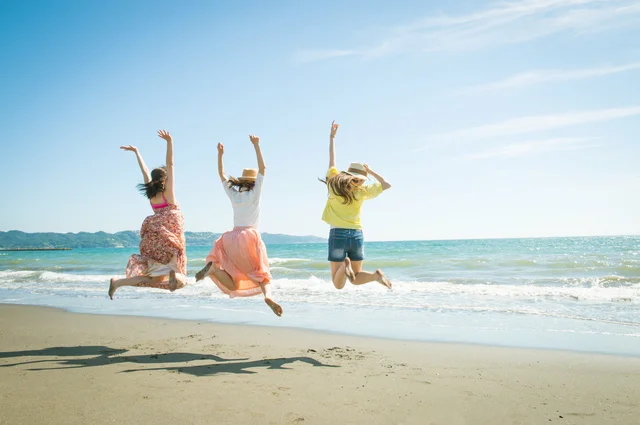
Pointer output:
576, 293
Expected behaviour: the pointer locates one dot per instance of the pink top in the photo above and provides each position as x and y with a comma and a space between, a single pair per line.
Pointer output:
165, 204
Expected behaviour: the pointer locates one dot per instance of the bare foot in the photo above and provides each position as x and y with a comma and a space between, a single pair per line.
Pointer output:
173, 282
112, 288
383, 279
348, 271
204, 272
274, 306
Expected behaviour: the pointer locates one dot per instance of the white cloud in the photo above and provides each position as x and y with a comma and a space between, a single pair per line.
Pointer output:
502, 23
534, 147
535, 123
551, 75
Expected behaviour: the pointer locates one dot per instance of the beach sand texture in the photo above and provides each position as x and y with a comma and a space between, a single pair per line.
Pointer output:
65, 368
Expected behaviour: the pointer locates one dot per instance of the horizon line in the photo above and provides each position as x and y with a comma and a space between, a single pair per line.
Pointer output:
376, 240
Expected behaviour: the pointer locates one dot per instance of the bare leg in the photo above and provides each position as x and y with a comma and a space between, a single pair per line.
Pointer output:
337, 274
204, 272
275, 307
363, 277
173, 282
112, 288
176, 281
131, 281
223, 277
159, 282
348, 270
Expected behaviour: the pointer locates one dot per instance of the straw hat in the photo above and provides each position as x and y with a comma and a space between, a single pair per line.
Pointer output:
248, 175
357, 170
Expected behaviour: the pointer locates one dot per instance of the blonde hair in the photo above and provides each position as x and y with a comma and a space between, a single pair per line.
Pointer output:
345, 186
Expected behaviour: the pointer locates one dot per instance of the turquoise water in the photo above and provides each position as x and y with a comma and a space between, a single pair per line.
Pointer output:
560, 293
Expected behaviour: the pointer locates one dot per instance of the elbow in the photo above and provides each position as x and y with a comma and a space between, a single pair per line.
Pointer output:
386, 186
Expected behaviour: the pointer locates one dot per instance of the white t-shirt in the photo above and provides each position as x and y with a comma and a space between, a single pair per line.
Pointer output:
246, 205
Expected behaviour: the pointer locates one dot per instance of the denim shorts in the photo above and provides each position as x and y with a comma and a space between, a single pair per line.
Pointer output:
346, 243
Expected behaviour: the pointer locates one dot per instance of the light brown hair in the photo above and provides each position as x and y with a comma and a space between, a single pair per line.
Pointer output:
345, 186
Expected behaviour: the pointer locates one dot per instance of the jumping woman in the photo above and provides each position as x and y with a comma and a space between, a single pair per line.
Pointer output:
163, 256
238, 261
347, 191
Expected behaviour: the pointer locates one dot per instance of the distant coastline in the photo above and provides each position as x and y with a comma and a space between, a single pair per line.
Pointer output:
21, 241
36, 249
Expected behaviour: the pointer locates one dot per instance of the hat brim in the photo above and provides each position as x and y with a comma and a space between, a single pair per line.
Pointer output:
247, 179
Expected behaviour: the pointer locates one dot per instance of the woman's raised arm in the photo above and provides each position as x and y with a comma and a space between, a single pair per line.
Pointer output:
221, 173
332, 149
143, 167
255, 140
385, 184
169, 184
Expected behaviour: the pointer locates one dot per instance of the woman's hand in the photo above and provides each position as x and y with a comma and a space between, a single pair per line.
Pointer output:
255, 140
385, 184
165, 135
334, 129
143, 167
129, 148
223, 176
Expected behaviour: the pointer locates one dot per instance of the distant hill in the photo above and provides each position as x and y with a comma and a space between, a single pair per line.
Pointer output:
17, 239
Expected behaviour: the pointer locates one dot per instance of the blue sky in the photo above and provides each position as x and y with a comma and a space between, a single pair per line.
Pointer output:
490, 119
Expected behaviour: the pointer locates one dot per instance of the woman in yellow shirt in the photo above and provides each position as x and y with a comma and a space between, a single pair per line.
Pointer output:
347, 192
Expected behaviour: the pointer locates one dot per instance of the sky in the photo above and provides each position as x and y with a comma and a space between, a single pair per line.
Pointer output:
490, 119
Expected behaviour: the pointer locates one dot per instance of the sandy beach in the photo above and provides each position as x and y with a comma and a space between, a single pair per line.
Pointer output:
64, 368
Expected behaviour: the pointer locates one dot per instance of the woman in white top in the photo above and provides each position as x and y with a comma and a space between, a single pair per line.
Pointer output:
238, 261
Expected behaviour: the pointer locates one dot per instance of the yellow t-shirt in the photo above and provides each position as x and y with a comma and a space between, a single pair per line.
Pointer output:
347, 216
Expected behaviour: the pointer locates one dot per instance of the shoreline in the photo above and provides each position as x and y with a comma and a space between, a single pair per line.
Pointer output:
331, 333
123, 369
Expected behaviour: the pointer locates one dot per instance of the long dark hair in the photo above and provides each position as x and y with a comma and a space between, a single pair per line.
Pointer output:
156, 185
345, 186
240, 185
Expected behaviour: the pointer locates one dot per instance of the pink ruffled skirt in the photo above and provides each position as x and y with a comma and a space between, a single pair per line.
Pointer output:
241, 253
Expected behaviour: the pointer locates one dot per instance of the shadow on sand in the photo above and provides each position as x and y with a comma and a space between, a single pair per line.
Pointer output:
239, 368
76, 357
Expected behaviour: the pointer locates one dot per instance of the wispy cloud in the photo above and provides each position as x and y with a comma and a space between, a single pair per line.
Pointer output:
501, 23
551, 75
534, 147
535, 123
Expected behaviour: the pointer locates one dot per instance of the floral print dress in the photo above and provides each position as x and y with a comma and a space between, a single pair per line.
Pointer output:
163, 246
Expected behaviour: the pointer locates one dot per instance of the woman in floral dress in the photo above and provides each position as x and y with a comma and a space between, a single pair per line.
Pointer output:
162, 262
